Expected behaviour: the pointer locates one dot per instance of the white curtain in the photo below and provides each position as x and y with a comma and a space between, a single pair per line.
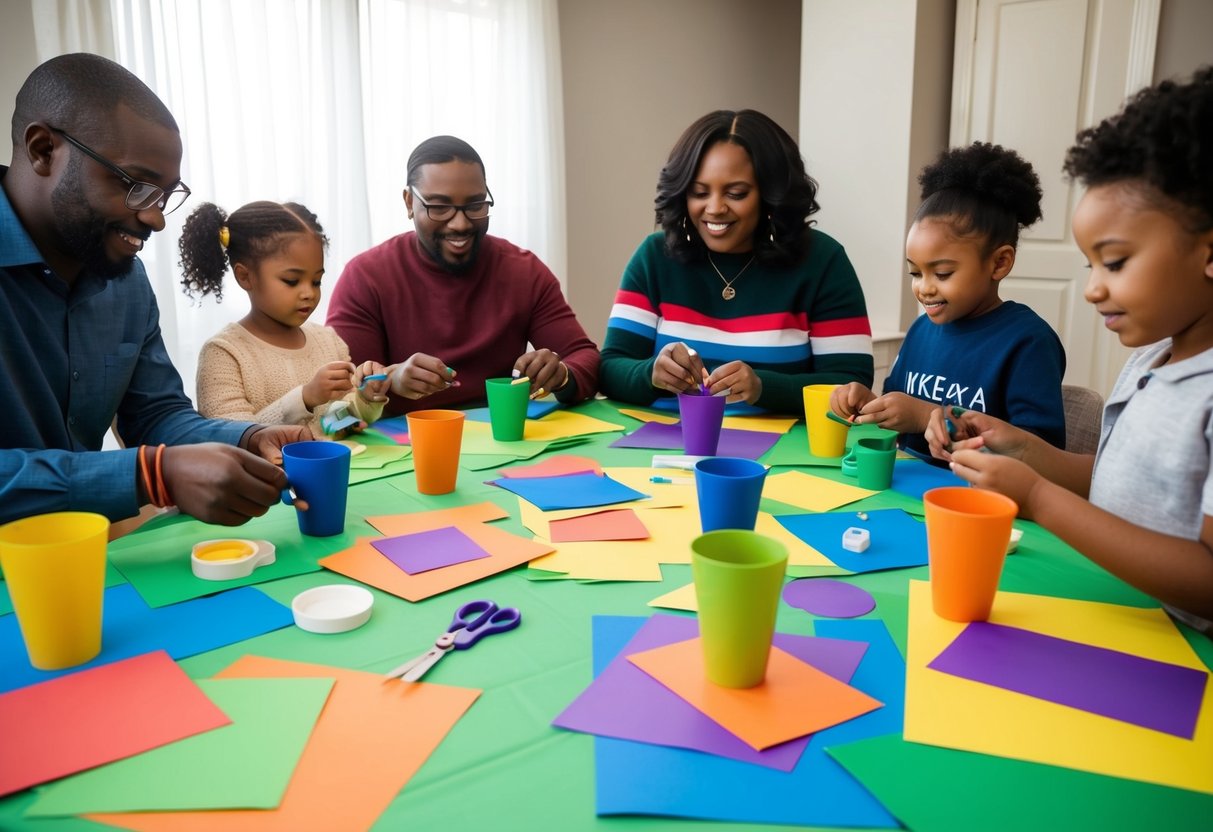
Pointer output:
321, 101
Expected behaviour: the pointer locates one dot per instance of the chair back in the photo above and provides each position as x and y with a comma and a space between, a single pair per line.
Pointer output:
1084, 416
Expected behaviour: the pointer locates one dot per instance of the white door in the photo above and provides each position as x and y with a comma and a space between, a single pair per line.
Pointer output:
1028, 74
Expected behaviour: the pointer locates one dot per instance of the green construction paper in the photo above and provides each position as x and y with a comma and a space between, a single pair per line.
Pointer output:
816, 571
484, 443
245, 765
376, 455
941, 789
12, 811
483, 462
387, 469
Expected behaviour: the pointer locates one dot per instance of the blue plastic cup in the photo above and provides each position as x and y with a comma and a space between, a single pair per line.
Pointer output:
319, 473
730, 489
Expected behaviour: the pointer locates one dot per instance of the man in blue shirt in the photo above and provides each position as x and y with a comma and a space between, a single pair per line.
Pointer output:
96, 164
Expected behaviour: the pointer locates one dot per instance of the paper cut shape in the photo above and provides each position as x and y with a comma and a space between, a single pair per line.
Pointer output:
619, 524
96, 716
765, 715
636, 778
948, 711
433, 549
337, 417
897, 539
626, 703
1156, 695
682, 598
129, 627
570, 491
833, 599
245, 765
371, 738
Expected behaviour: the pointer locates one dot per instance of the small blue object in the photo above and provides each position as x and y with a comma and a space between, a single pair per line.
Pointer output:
375, 377
666, 480
337, 417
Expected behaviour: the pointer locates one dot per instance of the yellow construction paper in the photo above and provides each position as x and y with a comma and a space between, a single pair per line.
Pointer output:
610, 560
683, 598
951, 712
806, 491
561, 423
646, 416
799, 552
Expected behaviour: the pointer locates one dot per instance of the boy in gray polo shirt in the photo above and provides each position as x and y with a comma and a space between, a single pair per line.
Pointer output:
1146, 227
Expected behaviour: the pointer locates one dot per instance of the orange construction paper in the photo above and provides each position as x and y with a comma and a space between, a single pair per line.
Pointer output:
394, 525
371, 738
364, 563
75, 722
795, 699
621, 524
556, 466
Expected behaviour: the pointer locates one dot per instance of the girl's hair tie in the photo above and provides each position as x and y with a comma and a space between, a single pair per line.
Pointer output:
225, 236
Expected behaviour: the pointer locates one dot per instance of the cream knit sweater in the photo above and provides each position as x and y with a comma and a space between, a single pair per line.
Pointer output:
242, 377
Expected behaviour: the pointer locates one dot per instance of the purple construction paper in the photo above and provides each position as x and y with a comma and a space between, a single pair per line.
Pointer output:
626, 703
830, 598
1156, 695
422, 551
750, 444
585, 490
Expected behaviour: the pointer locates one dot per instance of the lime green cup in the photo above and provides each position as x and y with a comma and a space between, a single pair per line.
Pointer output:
738, 577
507, 407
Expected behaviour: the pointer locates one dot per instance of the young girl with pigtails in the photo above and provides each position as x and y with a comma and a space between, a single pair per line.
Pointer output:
272, 366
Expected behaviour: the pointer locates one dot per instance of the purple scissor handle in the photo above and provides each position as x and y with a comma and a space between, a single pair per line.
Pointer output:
472, 622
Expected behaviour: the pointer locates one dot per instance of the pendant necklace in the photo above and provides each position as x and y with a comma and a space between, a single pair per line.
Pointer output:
728, 292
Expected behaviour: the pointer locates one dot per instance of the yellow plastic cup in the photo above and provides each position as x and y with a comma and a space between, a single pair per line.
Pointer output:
436, 436
738, 577
968, 530
54, 565
826, 437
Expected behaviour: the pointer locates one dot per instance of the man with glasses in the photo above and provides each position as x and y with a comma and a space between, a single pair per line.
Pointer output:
95, 167
448, 306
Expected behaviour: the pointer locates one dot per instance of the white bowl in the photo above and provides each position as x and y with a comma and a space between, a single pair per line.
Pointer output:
335, 608
229, 558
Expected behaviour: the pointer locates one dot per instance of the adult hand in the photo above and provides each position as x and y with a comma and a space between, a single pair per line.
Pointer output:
332, 381
678, 368
896, 411
372, 391
420, 376
1003, 474
219, 483
543, 368
736, 380
847, 400
267, 442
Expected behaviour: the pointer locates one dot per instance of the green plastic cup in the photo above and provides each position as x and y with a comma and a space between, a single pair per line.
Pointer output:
507, 407
738, 577
874, 463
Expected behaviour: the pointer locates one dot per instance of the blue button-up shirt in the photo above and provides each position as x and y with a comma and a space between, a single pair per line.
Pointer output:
72, 357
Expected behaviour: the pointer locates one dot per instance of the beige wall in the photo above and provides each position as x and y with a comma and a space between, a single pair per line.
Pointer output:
1185, 38
636, 74
17, 57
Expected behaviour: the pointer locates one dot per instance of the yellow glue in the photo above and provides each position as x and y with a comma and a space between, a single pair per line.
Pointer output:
224, 550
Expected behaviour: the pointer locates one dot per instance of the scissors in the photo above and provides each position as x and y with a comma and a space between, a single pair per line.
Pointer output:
472, 622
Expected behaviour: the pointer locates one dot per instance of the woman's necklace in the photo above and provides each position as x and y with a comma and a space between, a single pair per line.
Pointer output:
728, 292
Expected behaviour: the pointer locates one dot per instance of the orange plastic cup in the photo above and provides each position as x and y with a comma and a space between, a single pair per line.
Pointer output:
54, 565
967, 534
826, 437
436, 436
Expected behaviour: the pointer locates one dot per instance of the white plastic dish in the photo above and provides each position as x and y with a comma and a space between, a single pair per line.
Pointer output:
335, 608
1016, 535
229, 558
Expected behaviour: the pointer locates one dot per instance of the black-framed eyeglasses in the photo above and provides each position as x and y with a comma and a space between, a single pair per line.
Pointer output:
142, 195
445, 212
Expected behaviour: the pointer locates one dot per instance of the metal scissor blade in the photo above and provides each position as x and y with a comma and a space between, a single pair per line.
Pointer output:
423, 663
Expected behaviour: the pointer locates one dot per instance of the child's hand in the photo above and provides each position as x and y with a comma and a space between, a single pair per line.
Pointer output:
973, 430
543, 368
848, 399
420, 376
896, 411
737, 380
372, 391
678, 368
1003, 474
331, 382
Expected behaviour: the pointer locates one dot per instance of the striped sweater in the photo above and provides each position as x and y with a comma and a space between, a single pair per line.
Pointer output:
795, 325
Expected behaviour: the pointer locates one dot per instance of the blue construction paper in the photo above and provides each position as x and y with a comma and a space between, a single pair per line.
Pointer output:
534, 410
638, 779
913, 478
570, 491
129, 627
898, 540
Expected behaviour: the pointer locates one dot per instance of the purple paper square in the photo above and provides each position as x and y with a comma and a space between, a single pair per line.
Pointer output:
1157, 695
626, 703
750, 444
423, 551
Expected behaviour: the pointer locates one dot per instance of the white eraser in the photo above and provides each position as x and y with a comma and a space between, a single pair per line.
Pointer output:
1016, 534
686, 463
856, 540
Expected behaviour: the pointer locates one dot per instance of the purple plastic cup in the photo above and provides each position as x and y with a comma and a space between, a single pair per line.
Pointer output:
701, 420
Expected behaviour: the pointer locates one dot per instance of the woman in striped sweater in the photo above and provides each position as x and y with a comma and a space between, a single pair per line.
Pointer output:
737, 290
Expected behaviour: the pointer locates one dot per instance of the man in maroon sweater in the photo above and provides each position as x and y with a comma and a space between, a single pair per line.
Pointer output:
448, 306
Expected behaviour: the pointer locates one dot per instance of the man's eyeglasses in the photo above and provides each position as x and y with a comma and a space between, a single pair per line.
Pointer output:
142, 195
444, 212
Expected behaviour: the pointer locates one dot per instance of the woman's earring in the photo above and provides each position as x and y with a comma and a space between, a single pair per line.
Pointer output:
685, 230
771, 226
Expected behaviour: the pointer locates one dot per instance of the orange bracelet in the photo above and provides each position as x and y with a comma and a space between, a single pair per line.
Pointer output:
165, 499
145, 474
